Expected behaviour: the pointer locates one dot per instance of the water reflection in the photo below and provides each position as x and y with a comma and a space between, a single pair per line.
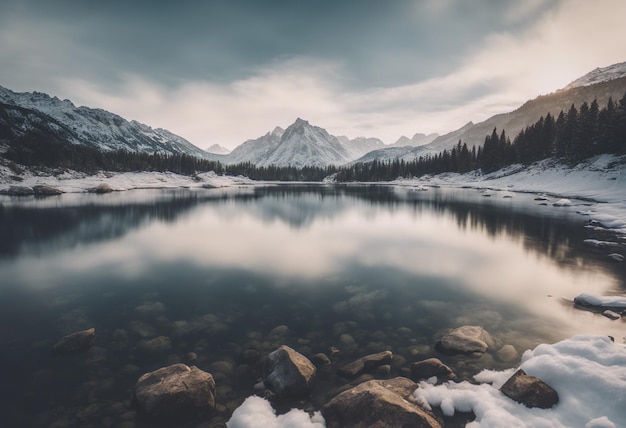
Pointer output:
161, 274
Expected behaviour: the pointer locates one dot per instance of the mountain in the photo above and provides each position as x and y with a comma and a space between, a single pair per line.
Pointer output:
357, 147
255, 151
600, 84
599, 75
417, 140
301, 144
60, 120
218, 150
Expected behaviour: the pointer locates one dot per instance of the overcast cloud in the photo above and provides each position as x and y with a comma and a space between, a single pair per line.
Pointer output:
228, 70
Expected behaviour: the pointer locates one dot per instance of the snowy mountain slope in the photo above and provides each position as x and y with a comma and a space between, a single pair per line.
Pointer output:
305, 145
62, 120
409, 153
601, 84
359, 146
530, 112
302, 144
599, 75
256, 150
218, 150
417, 140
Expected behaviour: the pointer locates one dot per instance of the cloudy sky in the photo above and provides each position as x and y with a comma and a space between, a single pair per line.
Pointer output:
223, 71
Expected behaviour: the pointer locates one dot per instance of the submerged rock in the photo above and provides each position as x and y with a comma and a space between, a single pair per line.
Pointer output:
366, 363
468, 339
530, 391
289, 373
507, 353
431, 367
175, 393
378, 404
75, 343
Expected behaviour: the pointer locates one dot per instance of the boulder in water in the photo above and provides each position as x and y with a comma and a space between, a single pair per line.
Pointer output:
176, 393
75, 343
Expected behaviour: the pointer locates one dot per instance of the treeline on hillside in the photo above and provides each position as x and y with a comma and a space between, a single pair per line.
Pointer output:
573, 136
36, 149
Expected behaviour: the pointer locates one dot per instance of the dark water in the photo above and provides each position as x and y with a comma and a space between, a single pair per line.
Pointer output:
166, 274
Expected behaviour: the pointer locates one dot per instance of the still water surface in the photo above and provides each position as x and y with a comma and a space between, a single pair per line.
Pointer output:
201, 275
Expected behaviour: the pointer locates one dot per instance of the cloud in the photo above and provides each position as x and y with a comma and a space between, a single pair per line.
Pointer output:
527, 49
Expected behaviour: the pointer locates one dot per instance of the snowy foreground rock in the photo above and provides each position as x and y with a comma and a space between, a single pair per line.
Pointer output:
587, 372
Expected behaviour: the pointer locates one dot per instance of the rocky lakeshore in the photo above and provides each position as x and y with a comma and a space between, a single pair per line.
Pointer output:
343, 383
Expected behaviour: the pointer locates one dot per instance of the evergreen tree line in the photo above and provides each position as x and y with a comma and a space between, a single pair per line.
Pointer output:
36, 149
573, 136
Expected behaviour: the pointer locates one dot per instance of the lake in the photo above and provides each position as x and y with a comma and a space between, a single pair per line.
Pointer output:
202, 275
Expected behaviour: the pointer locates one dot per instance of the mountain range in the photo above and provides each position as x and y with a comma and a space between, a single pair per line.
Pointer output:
21, 114
300, 144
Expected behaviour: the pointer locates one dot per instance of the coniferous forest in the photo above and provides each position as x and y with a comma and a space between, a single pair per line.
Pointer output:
572, 136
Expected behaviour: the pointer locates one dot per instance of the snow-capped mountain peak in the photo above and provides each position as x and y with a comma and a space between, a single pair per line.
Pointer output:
218, 150
599, 75
94, 127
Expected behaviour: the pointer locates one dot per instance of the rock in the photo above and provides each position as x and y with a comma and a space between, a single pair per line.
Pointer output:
599, 303
366, 363
156, 345
250, 355
321, 359
507, 353
611, 315
616, 257
468, 339
175, 393
44, 190
429, 368
101, 188
530, 391
75, 343
383, 370
378, 404
602, 245
19, 191
289, 373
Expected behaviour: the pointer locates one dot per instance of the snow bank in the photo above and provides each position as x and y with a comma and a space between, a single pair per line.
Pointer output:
258, 412
588, 372
601, 179
74, 182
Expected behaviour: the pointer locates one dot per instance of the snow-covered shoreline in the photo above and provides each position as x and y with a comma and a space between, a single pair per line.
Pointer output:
600, 180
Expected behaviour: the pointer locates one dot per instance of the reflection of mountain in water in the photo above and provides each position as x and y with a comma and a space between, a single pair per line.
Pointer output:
31, 229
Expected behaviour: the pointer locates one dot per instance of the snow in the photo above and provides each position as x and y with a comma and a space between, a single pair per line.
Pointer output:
73, 182
586, 299
600, 181
97, 127
599, 75
258, 412
588, 372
